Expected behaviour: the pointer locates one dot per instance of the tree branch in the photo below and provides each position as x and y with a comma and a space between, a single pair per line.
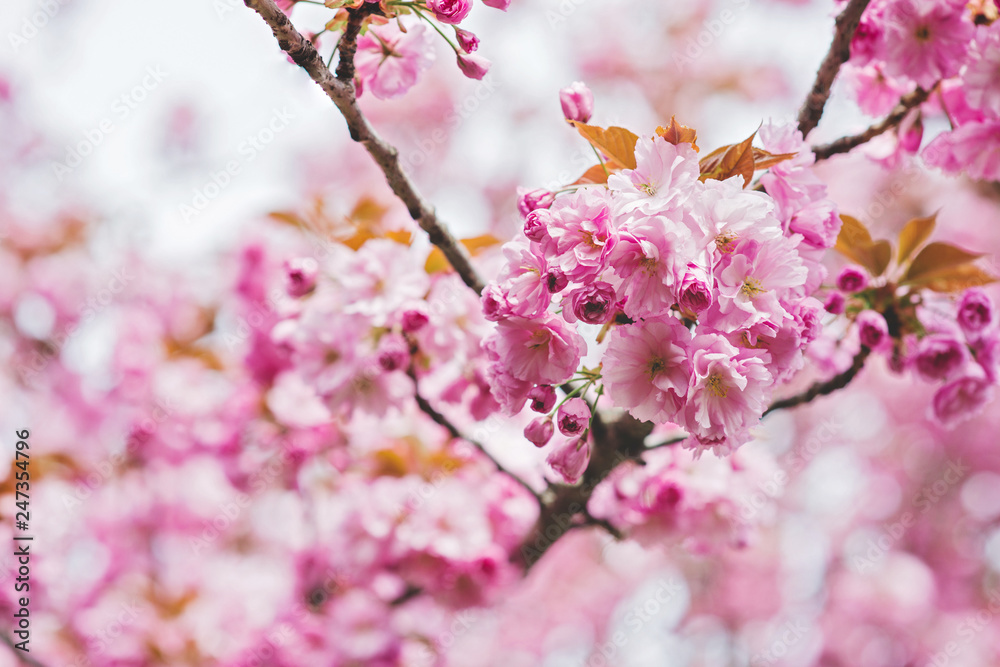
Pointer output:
839, 53
845, 144
838, 381
341, 93
613, 444
439, 418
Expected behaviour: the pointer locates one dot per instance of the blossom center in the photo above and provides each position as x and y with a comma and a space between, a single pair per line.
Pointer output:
725, 241
648, 188
923, 33
752, 287
715, 385
655, 367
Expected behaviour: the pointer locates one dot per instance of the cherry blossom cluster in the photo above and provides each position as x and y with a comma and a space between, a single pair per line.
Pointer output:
950, 48
703, 286
392, 54
958, 348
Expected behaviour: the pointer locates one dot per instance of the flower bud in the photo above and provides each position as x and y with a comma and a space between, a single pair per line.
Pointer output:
542, 397
497, 4
393, 352
852, 279
473, 66
940, 357
593, 303
301, 275
539, 431
872, 329
577, 102
536, 225
529, 200
467, 41
573, 417
975, 312
835, 303
694, 293
450, 11
570, 459
414, 320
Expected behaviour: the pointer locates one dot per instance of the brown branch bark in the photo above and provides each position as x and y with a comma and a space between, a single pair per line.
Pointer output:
439, 418
566, 509
341, 93
895, 117
838, 381
839, 53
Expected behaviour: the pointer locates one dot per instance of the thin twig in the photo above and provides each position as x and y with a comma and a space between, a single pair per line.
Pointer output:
439, 418
838, 381
839, 53
342, 94
845, 144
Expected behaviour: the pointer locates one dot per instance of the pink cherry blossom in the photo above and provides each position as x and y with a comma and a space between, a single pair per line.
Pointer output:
647, 371
450, 11
389, 61
539, 431
728, 392
975, 311
580, 233
544, 351
926, 40
648, 261
664, 177
973, 149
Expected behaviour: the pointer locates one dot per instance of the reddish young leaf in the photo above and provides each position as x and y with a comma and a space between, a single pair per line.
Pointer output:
729, 161
617, 143
913, 235
676, 133
937, 256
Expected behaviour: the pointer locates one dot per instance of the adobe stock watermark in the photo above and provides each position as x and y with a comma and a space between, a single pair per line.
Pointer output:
247, 150
161, 411
971, 625
32, 25
791, 634
774, 487
892, 532
460, 113
121, 109
635, 619
47, 350
711, 30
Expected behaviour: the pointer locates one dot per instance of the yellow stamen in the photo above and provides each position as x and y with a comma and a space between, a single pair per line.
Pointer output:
714, 384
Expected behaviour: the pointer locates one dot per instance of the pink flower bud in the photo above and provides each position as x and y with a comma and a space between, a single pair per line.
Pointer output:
570, 459
539, 431
536, 225
495, 304
414, 320
556, 281
450, 11
835, 303
695, 296
593, 303
852, 279
301, 275
473, 66
573, 417
961, 400
940, 357
872, 329
529, 200
393, 352
542, 397
975, 312
577, 102
467, 41
497, 4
